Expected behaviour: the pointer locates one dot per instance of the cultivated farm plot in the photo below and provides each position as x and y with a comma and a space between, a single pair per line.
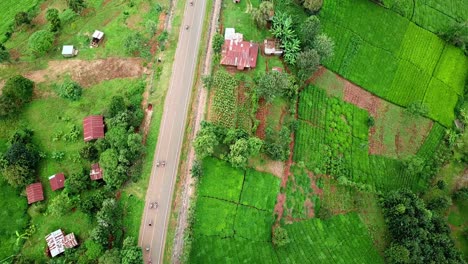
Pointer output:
341, 239
260, 190
260, 230
399, 63
221, 181
214, 217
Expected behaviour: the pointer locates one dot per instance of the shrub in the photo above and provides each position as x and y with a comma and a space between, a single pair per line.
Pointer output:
76, 5
41, 41
52, 16
67, 16
22, 18
218, 41
313, 5
280, 237
69, 90
4, 54
134, 44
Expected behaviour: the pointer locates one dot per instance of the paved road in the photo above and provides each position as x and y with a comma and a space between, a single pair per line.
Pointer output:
162, 180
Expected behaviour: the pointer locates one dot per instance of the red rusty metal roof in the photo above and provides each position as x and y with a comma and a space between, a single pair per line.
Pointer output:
93, 127
69, 241
57, 181
242, 54
34, 192
96, 172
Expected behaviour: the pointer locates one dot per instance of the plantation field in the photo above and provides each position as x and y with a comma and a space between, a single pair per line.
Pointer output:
393, 58
432, 15
244, 214
335, 138
341, 239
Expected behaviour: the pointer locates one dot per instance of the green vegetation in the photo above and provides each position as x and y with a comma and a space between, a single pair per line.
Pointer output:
377, 60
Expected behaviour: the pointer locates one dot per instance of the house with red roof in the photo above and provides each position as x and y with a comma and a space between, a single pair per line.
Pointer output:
34, 192
237, 52
93, 127
57, 181
96, 172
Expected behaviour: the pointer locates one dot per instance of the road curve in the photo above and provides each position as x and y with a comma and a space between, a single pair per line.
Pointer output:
171, 133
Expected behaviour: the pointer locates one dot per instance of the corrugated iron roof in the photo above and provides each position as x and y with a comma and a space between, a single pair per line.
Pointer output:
55, 242
69, 241
93, 127
242, 54
34, 192
96, 172
57, 181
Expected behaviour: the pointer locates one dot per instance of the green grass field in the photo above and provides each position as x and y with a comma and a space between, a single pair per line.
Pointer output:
259, 190
10, 8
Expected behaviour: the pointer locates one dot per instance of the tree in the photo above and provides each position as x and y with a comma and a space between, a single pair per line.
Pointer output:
205, 142
17, 175
131, 253
324, 46
108, 222
309, 30
197, 169
89, 152
273, 84
151, 27
70, 90
134, 44
282, 28
111, 256
41, 41
76, 5
52, 16
22, 18
4, 54
77, 182
243, 149
93, 249
134, 146
307, 63
117, 105
313, 5
218, 42
291, 48
60, 205
439, 203
114, 173
262, 14
414, 165
397, 254
16, 92
280, 237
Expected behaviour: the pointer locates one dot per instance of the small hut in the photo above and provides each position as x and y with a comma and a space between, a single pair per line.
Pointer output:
69, 51
97, 38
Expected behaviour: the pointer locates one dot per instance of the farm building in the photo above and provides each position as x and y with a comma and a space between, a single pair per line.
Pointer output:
271, 47
93, 127
69, 51
34, 192
96, 172
96, 39
237, 52
57, 181
57, 241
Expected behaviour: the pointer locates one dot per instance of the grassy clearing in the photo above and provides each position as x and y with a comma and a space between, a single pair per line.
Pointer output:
10, 9
14, 207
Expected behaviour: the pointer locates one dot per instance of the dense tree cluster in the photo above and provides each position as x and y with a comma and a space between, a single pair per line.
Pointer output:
273, 84
16, 92
19, 163
108, 223
418, 234
234, 145
121, 145
263, 13
458, 35
282, 29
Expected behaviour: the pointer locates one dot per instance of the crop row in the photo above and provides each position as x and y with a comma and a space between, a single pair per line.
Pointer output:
432, 141
313, 105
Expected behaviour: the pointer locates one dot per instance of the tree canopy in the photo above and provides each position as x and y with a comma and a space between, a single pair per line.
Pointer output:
273, 84
41, 41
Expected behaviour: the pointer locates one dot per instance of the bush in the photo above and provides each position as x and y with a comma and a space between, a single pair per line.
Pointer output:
280, 237
70, 90
313, 5
52, 16
458, 35
41, 41
218, 41
134, 44
76, 5
67, 16
4, 54
22, 18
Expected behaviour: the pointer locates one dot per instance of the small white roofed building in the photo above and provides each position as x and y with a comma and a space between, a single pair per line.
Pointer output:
69, 51
230, 34
57, 241
96, 39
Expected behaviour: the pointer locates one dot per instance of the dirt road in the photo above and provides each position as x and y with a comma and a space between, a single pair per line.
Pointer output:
162, 180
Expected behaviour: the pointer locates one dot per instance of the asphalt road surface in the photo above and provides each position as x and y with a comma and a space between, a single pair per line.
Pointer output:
171, 133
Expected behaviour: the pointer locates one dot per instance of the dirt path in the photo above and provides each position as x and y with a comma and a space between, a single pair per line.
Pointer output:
88, 73
199, 110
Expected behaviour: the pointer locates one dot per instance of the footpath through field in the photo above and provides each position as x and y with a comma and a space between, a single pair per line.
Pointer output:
162, 179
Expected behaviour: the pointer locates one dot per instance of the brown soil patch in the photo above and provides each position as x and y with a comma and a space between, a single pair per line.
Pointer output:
134, 21
88, 73
361, 98
284, 112
270, 166
279, 206
261, 115
314, 186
